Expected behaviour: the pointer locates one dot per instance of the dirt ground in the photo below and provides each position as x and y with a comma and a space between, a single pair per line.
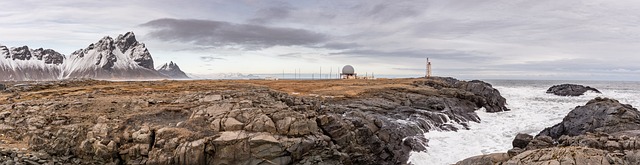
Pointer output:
123, 89
87, 99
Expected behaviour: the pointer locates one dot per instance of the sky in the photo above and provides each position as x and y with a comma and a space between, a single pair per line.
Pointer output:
467, 39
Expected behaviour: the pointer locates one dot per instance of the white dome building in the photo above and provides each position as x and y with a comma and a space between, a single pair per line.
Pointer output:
348, 72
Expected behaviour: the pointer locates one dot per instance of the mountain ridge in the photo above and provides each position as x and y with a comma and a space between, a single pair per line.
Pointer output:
122, 58
172, 70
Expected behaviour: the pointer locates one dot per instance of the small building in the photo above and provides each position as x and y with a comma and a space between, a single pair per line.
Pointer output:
271, 78
348, 72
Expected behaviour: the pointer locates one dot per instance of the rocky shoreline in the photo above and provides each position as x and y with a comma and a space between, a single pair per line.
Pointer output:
604, 131
233, 122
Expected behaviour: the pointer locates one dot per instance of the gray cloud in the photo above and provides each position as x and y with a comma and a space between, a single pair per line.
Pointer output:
219, 33
339, 45
389, 10
574, 65
442, 54
210, 58
464, 37
266, 15
290, 55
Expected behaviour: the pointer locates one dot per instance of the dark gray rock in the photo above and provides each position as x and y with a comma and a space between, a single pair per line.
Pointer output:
490, 97
570, 90
3, 87
598, 115
4, 52
49, 56
603, 131
21, 53
522, 140
481, 93
129, 46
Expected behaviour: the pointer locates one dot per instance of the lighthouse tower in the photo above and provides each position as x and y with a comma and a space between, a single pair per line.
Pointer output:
428, 68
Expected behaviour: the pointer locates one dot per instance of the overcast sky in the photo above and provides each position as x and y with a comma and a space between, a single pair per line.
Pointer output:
498, 39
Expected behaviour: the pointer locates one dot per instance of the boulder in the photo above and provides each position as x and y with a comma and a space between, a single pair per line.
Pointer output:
570, 90
231, 124
489, 159
490, 97
522, 140
598, 115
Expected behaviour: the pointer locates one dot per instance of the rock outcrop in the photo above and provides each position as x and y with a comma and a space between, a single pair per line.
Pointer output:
601, 132
210, 122
172, 70
570, 90
598, 115
479, 92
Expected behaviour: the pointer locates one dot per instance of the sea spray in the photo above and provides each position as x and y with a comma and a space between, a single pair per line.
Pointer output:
532, 111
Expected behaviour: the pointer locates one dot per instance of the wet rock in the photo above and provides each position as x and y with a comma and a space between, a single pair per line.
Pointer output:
598, 115
601, 132
522, 140
570, 90
482, 93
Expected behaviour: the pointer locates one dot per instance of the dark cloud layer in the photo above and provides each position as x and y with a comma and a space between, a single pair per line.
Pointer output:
443, 54
219, 33
266, 15
340, 45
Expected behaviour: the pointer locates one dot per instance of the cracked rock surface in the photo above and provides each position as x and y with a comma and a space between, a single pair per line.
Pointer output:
233, 122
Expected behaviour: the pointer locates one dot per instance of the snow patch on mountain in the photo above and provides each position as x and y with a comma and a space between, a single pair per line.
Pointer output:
123, 58
22, 63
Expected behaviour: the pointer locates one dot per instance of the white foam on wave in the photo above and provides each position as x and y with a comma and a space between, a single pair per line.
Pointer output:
532, 110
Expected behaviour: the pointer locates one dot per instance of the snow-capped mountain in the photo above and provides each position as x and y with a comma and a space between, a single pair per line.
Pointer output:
172, 70
22, 63
224, 76
123, 58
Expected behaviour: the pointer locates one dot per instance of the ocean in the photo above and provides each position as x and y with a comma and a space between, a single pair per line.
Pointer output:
532, 110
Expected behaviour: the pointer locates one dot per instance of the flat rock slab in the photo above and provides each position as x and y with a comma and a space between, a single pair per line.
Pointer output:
6, 127
231, 136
